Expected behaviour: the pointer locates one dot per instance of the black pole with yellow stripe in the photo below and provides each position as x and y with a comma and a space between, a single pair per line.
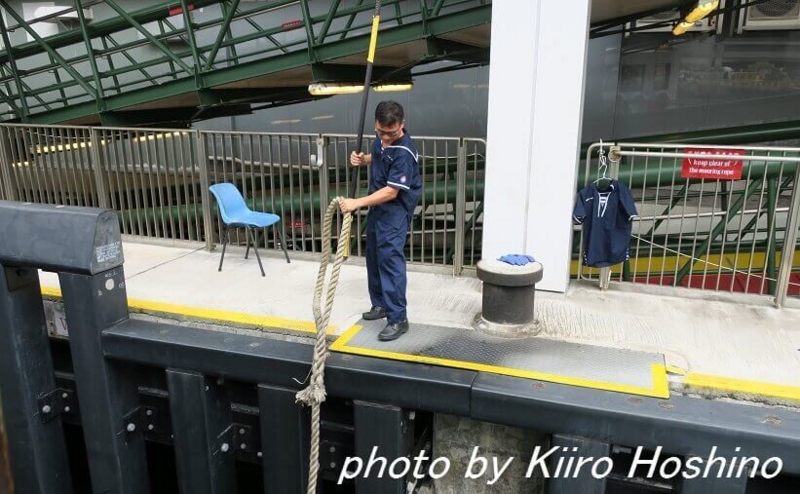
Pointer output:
373, 42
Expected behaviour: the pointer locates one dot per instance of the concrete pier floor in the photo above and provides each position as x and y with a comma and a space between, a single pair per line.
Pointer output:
714, 344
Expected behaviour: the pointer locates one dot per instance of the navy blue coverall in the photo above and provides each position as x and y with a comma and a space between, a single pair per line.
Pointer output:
396, 166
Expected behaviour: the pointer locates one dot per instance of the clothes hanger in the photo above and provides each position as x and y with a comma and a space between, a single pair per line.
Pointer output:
603, 168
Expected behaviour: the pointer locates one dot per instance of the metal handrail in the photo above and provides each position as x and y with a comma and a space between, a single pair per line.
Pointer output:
749, 210
157, 180
650, 154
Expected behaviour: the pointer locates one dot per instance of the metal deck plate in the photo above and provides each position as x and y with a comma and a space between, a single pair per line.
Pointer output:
590, 366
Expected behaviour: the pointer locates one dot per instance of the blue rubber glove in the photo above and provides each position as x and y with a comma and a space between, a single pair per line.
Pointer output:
517, 259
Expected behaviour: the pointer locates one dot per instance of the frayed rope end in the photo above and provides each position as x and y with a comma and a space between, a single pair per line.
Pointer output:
313, 394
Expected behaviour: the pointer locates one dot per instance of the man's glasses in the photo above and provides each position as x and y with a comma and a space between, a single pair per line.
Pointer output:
389, 134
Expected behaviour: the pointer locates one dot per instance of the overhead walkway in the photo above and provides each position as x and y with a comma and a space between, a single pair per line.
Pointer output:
181, 61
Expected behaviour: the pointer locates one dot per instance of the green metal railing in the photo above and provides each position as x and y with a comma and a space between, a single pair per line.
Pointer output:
200, 52
738, 235
723, 235
157, 181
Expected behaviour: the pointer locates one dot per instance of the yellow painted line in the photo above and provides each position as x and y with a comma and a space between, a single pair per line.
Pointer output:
674, 369
341, 341
744, 386
51, 292
214, 315
660, 388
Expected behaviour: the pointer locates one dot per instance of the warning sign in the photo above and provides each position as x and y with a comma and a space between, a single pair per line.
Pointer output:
711, 167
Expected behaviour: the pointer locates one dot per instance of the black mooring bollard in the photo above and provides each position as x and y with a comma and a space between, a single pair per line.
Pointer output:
508, 298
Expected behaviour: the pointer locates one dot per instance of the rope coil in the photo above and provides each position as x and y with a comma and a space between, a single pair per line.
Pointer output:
314, 394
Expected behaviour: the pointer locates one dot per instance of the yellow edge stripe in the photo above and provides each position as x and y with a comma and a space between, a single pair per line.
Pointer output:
660, 387
744, 386
214, 315
674, 369
660, 380
51, 292
342, 340
373, 39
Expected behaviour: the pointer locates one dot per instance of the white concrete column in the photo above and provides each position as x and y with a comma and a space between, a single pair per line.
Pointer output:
536, 81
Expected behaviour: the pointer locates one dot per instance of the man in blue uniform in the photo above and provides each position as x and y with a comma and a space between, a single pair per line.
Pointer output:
395, 188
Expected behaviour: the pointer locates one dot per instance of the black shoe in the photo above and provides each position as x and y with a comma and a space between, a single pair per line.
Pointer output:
374, 314
393, 331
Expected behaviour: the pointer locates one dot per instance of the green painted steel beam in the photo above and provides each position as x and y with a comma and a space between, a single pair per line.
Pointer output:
452, 50
110, 61
776, 131
187, 21
23, 103
259, 95
101, 28
223, 30
10, 102
349, 23
117, 102
640, 177
90, 52
308, 24
437, 7
59, 84
324, 72
328, 19
136, 25
352, 46
167, 117
207, 99
53, 53
329, 51
144, 117
258, 29
746, 134
737, 206
127, 56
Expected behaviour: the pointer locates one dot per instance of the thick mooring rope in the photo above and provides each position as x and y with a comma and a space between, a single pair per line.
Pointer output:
314, 394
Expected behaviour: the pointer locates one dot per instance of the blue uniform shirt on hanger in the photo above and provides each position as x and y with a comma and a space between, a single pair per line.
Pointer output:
396, 166
606, 215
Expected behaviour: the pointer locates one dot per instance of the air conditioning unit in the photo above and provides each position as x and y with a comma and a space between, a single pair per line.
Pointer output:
772, 14
671, 17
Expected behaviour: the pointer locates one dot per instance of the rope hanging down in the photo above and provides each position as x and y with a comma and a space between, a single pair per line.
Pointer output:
315, 393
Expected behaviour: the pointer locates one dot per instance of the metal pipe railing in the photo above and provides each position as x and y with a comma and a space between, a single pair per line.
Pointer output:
789, 245
683, 221
157, 179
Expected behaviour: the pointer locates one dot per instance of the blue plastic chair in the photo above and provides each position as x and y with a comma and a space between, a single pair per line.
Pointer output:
235, 214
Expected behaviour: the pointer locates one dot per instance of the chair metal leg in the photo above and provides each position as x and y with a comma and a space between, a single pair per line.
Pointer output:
255, 248
225, 238
283, 244
247, 241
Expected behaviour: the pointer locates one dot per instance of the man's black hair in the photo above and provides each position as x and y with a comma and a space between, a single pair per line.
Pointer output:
389, 113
